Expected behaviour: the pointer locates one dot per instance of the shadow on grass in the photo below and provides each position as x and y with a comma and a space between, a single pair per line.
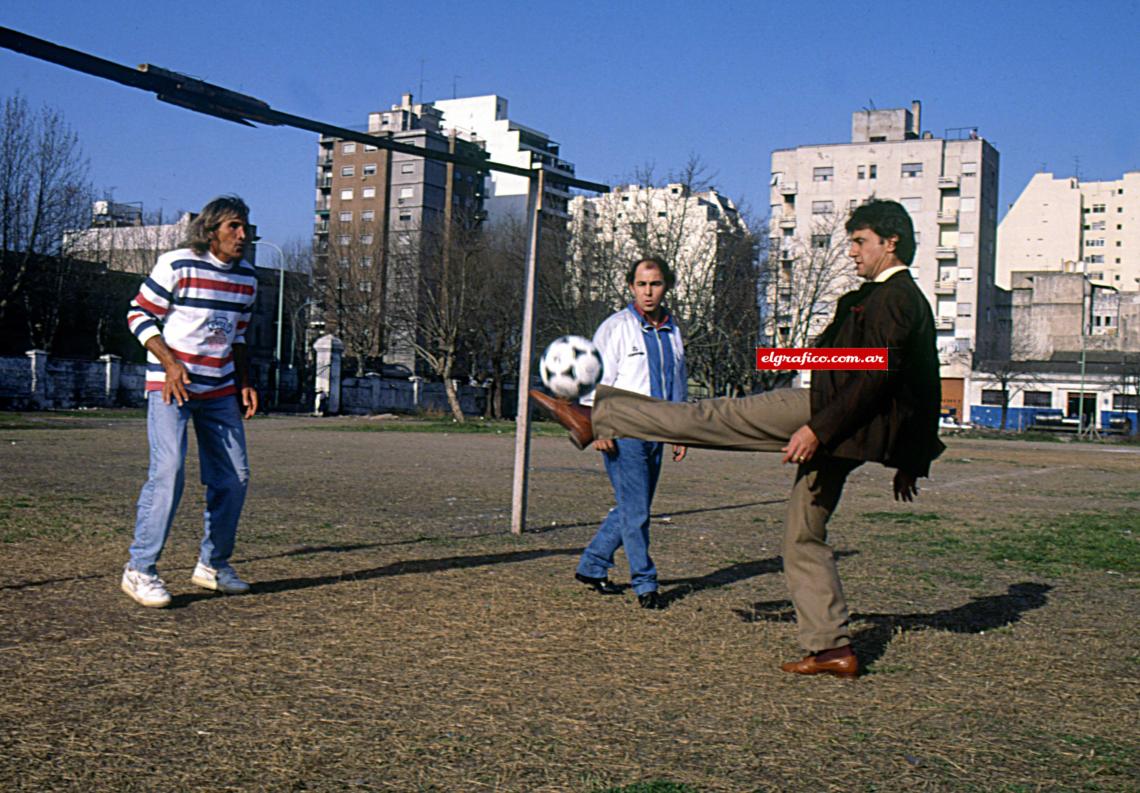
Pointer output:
683, 587
658, 516
980, 614
414, 566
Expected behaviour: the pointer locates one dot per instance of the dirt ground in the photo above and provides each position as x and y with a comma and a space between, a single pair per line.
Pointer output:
399, 638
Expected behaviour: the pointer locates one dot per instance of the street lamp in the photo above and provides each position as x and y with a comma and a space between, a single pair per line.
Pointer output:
280, 318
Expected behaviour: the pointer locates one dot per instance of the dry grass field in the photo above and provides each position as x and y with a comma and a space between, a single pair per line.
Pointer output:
399, 638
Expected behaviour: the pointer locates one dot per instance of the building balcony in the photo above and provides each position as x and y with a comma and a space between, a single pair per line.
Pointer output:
947, 182
944, 323
946, 252
786, 188
947, 286
948, 217
788, 221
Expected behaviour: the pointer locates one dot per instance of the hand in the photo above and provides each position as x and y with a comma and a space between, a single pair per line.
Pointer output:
606, 445
679, 452
177, 378
801, 446
906, 486
249, 400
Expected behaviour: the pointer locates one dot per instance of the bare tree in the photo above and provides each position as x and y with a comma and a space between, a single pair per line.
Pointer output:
350, 286
1010, 375
494, 316
803, 278
44, 191
704, 238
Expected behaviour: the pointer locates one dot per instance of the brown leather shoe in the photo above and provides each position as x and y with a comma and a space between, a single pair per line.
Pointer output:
571, 415
843, 666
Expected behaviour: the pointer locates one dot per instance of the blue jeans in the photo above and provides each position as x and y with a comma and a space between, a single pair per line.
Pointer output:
633, 472
225, 473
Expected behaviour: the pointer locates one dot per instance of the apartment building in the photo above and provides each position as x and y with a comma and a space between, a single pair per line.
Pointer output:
376, 212
949, 186
1064, 225
689, 228
510, 143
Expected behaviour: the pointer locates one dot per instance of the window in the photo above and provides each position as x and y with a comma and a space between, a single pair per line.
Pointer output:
1125, 401
965, 273
369, 169
873, 171
912, 204
346, 194
821, 241
969, 169
822, 207
861, 172
343, 239
348, 170
368, 192
365, 287
343, 261
408, 167
369, 147
345, 217
368, 215
365, 261
1037, 399
966, 239
1097, 243
1098, 208
822, 174
1096, 258
911, 170
991, 396
662, 214
1097, 226
967, 204
407, 192
965, 309
348, 148
366, 239
405, 216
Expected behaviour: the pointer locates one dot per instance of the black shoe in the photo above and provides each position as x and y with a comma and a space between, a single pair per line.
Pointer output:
652, 600
603, 586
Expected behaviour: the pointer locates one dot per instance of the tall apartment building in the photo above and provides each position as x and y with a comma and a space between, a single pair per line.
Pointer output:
949, 186
1065, 225
510, 143
375, 212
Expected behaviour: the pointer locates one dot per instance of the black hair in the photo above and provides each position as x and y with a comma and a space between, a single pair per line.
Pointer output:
887, 219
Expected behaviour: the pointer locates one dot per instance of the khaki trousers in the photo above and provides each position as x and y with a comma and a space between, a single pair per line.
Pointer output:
759, 423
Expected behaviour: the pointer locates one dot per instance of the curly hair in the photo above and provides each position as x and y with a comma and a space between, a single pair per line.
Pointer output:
211, 217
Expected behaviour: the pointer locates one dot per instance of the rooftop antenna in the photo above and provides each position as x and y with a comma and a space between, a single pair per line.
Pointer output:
454, 83
421, 94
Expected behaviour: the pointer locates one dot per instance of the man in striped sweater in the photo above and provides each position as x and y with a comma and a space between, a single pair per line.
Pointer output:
191, 315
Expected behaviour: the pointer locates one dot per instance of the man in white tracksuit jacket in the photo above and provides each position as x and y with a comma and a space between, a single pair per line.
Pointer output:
642, 351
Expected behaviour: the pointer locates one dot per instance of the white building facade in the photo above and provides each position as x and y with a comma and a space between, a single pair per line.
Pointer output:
1065, 225
510, 143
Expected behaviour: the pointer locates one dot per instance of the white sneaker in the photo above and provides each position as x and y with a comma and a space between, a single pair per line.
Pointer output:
147, 590
222, 579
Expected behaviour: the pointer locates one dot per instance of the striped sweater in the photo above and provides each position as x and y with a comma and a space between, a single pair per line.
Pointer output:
201, 308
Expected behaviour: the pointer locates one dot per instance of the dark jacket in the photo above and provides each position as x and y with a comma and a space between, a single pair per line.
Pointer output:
890, 417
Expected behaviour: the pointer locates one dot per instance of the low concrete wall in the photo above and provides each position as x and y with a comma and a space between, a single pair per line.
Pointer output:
40, 382
376, 394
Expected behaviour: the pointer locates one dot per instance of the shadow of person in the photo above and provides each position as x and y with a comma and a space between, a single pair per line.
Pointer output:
981, 614
683, 587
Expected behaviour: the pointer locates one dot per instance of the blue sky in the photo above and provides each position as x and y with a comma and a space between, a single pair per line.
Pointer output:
618, 84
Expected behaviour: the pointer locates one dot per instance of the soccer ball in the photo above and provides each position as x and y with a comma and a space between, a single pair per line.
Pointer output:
571, 366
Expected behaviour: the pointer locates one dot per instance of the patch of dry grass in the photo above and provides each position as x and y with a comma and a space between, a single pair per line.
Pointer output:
398, 638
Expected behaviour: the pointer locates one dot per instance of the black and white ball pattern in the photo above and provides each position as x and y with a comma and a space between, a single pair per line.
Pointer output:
571, 366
